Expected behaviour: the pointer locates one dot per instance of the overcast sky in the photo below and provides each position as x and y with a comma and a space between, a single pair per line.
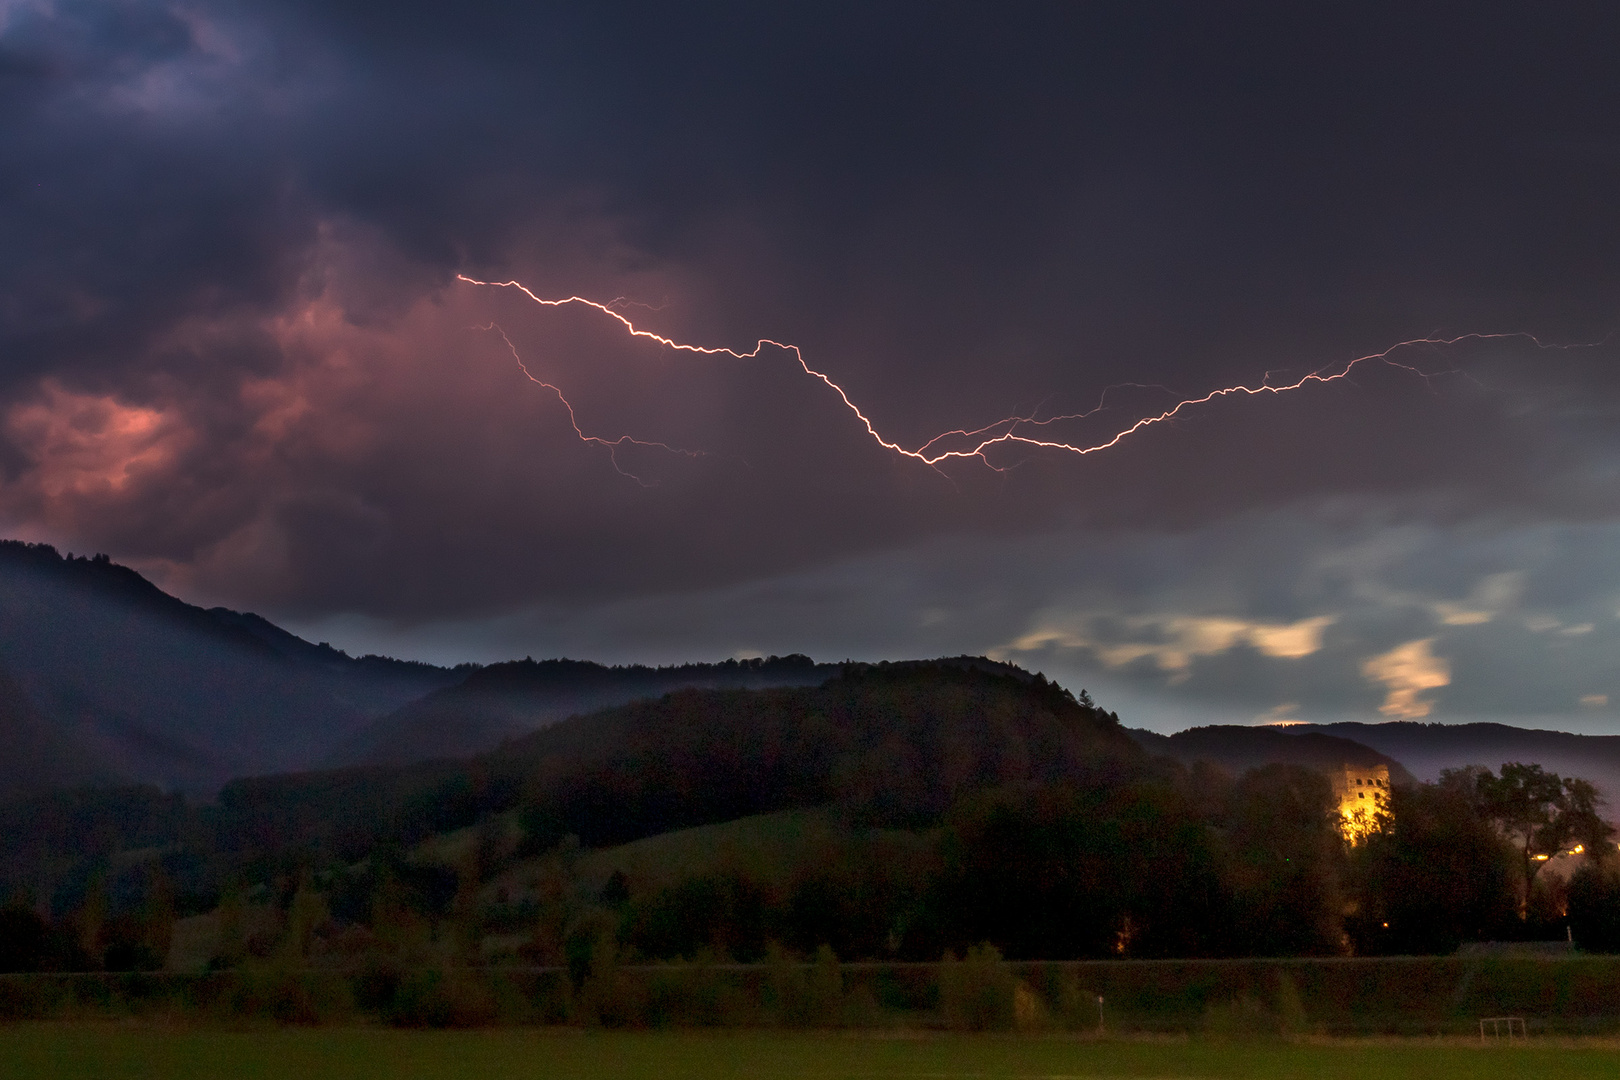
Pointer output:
235, 351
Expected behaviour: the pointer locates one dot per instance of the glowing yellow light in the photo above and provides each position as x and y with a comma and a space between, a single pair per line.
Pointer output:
1542, 858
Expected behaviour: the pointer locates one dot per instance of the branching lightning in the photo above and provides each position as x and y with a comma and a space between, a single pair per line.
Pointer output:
1010, 431
612, 445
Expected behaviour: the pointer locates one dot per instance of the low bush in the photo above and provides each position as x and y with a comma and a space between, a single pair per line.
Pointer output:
441, 998
976, 993
290, 996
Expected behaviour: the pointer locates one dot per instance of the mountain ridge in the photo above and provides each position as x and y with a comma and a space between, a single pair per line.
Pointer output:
106, 678
1427, 748
1239, 748
509, 700
140, 686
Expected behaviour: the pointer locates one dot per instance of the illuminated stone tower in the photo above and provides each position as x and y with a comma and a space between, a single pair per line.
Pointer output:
1362, 792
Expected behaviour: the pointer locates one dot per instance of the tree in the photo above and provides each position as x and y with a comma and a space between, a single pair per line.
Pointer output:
1594, 908
1284, 863
1542, 815
1439, 875
24, 938
1061, 872
1580, 821
1528, 805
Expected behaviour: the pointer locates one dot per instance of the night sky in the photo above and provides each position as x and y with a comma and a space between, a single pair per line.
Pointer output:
236, 354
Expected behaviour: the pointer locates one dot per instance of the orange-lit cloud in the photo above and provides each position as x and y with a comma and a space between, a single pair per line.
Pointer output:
1408, 671
1280, 715
92, 445
1178, 640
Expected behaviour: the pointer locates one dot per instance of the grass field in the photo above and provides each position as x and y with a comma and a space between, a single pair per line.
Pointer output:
115, 1052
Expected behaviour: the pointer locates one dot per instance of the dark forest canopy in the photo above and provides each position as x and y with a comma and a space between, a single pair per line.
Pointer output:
502, 701
895, 743
911, 808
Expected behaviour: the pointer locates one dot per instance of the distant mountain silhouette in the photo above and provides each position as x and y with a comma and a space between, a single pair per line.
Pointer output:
105, 678
1238, 748
1428, 748
1413, 751
108, 677
504, 701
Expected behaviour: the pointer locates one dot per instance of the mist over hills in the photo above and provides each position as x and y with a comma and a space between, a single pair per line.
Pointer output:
133, 684
1238, 749
892, 744
1413, 751
507, 701
503, 701
1426, 749
105, 678
287, 762
889, 742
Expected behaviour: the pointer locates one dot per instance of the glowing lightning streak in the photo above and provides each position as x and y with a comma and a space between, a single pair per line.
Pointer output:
1002, 432
707, 350
611, 444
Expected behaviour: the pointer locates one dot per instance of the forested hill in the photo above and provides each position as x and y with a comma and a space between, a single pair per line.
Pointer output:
886, 743
915, 808
106, 676
503, 701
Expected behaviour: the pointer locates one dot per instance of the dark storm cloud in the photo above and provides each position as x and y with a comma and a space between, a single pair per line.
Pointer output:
235, 350
1316, 612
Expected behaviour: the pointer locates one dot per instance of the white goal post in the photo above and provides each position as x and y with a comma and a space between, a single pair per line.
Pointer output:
1510, 1026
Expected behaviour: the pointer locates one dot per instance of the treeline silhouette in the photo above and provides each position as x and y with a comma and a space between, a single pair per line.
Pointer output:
508, 700
951, 804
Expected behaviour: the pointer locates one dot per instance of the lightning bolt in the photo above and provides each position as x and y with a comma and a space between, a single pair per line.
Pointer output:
612, 445
1017, 430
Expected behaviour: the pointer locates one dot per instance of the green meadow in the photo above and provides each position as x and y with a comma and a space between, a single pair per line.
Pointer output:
117, 1051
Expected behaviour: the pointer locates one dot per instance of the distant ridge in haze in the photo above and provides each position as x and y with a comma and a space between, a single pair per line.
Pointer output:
104, 677
898, 741
112, 678
1413, 751
1239, 748
1428, 748
504, 701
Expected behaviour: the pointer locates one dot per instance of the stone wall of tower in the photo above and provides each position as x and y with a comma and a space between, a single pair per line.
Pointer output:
1363, 795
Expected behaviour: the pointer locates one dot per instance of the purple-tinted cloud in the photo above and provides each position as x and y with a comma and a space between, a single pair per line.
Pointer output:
238, 354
